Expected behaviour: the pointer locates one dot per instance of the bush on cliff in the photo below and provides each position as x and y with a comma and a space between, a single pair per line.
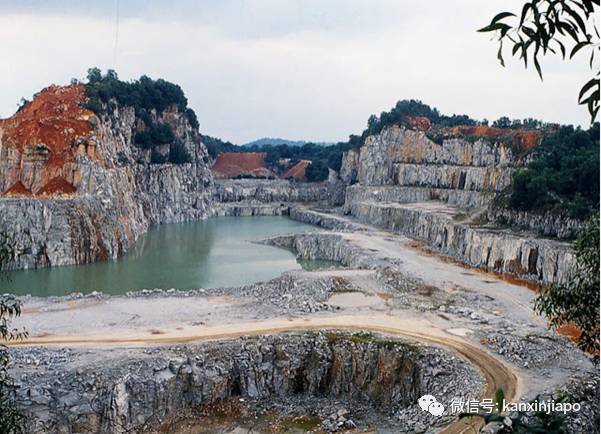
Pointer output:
563, 176
156, 134
178, 154
144, 95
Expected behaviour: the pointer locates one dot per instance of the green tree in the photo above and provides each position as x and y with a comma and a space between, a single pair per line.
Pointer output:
563, 175
317, 171
559, 27
11, 417
577, 302
502, 122
94, 75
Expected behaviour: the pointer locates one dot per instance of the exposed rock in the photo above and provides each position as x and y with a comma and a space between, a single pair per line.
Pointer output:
401, 166
268, 191
546, 224
297, 171
502, 251
96, 192
332, 368
251, 197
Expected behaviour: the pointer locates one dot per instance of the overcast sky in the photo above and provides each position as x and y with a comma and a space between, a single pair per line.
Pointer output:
298, 69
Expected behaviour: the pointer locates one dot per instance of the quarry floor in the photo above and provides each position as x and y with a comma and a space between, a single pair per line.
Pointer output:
494, 327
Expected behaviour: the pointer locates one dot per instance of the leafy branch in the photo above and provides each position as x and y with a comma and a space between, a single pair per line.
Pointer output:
560, 27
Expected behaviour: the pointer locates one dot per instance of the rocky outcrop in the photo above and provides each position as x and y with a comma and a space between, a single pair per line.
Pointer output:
94, 191
268, 191
403, 180
501, 251
401, 194
409, 158
249, 197
110, 396
324, 246
546, 224
327, 220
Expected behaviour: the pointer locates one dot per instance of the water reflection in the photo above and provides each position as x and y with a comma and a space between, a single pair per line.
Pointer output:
210, 253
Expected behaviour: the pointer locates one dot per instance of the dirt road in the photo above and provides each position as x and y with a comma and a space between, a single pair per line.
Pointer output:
496, 373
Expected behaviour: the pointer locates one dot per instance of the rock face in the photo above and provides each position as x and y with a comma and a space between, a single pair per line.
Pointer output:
155, 384
87, 191
442, 193
493, 249
408, 158
247, 197
546, 224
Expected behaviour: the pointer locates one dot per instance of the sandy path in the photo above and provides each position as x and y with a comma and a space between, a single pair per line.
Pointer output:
445, 275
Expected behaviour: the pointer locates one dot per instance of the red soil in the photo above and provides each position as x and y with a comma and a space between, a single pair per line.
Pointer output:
18, 189
232, 164
297, 171
419, 122
56, 186
527, 139
55, 118
571, 331
49, 125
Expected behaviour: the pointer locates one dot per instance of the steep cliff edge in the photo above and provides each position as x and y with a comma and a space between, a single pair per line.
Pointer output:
440, 190
77, 188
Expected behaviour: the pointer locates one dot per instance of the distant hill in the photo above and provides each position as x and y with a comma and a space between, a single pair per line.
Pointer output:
279, 141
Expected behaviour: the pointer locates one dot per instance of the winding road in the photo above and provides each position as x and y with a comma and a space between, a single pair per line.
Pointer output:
497, 374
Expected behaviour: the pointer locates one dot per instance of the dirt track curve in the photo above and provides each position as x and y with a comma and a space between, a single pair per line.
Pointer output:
496, 373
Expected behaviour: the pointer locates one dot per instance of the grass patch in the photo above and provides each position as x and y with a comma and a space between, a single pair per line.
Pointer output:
460, 216
370, 338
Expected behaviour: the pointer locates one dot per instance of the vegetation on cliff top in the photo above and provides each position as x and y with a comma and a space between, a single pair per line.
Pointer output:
563, 176
144, 95
412, 108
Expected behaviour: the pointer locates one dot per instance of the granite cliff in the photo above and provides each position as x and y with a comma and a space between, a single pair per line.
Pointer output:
442, 191
76, 188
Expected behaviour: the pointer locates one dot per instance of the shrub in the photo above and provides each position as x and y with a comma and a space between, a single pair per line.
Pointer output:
192, 119
157, 134
564, 174
317, 171
157, 158
12, 418
577, 302
178, 154
144, 93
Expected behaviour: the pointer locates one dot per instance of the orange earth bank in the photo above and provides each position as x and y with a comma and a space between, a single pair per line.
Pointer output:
46, 133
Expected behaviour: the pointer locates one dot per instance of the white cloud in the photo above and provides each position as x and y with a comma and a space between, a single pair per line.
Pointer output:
296, 72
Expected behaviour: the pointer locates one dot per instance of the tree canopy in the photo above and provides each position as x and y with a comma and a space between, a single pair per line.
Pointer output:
144, 94
563, 175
